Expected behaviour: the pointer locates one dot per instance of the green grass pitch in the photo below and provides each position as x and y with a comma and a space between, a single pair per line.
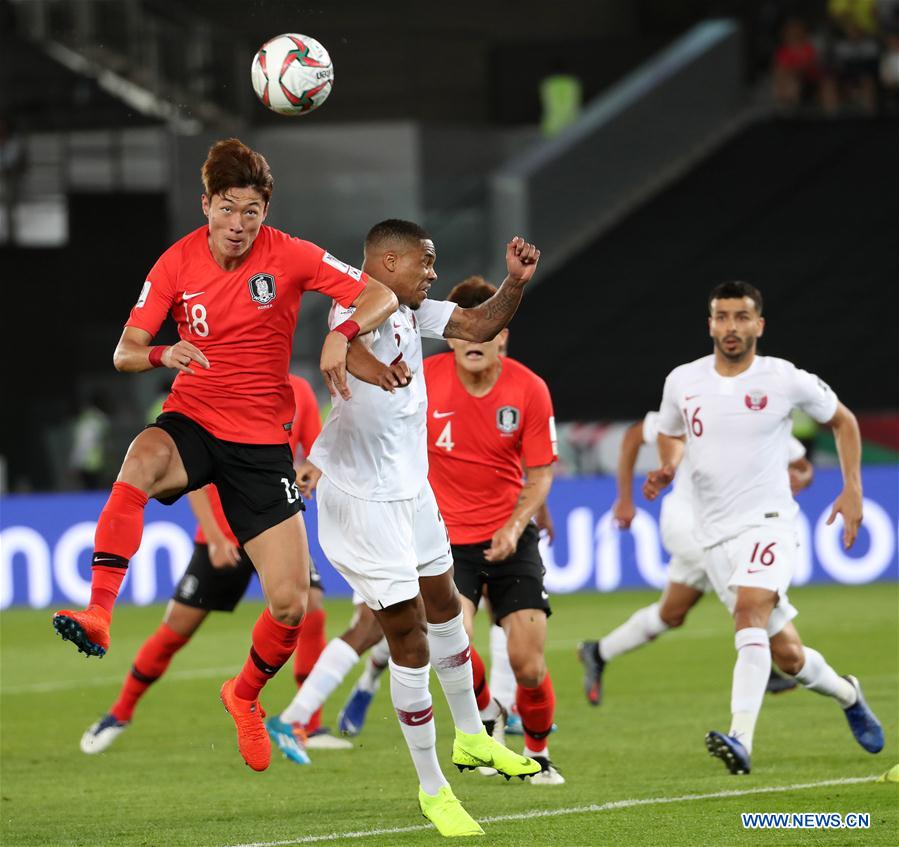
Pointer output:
175, 776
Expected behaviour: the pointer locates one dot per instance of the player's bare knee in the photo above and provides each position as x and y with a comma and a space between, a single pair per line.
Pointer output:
750, 615
789, 656
529, 671
672, 618
287, 605
145, 465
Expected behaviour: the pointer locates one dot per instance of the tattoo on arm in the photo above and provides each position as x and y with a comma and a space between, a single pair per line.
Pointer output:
483, 322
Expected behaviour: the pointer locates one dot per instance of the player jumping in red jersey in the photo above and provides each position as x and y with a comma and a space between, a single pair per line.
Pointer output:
233, 287
216, 579
487, 417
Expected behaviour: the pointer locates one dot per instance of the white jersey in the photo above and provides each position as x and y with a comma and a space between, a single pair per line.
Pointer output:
374, 445
738, 439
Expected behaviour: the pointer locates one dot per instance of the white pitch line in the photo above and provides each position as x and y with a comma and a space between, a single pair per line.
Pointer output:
99, 681
572, 810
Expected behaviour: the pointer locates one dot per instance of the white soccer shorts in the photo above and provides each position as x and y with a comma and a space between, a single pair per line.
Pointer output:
759, 557
676, 528
381, 548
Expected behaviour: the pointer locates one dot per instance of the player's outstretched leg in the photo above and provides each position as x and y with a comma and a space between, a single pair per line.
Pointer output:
811, 670
352, 716
119, 530
332, 667
640, 628
150, 663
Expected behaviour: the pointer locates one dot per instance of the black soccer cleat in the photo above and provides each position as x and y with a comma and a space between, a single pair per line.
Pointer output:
727, 748
588, 653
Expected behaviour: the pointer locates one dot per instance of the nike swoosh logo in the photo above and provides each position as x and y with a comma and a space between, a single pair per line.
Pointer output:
105, 560
420, 719
439, 415
187, 296
756, 570
690, 397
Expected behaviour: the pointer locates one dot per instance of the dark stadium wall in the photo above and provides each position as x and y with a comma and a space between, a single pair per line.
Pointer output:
65, 315
805, 210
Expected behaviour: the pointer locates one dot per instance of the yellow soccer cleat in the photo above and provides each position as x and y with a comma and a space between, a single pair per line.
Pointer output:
482, 751
446, 813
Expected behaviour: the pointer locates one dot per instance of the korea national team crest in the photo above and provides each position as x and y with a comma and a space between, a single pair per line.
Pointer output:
507, 418
756, 400
262, 288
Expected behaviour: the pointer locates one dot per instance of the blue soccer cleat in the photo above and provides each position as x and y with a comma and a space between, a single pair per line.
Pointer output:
352, 716
725, 747
863, 722
282, 734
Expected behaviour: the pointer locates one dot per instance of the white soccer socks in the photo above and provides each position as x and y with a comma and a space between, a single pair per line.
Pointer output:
378, 657
502, 677
412, 702
751, 674
332, 667
451, 659
639, 629
817, 675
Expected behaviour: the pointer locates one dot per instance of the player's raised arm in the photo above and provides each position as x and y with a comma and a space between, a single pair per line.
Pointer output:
849, 448
134, 353
483, 322
374, 305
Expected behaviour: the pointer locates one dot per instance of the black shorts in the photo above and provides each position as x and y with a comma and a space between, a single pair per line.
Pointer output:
220, 589
516, 583
213, 589
257, 482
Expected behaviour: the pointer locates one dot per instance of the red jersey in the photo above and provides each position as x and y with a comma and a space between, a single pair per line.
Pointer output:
476, 445
243, 321
307, 424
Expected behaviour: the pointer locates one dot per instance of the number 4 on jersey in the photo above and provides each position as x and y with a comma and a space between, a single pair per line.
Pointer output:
445, 439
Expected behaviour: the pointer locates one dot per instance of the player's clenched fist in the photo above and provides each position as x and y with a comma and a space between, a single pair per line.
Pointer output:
179, 356
521, 260
657, 481
394, 376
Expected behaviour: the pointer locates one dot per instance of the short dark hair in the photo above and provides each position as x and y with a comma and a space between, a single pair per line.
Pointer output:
394, 229
736, 290
471, 292
231, 164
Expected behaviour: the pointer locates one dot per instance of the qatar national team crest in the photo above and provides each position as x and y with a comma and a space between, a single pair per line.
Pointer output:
507, 418
262, 288
756, 400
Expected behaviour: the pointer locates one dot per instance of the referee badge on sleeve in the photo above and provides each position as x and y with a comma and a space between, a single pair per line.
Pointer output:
507, 418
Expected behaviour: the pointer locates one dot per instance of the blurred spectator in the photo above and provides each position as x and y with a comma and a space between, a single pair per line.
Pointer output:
854, 62
889, 72
89, 432
561, 94
797, 67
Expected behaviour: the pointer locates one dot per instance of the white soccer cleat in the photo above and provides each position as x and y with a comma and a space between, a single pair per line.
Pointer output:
548, 775
322, 739
102, 734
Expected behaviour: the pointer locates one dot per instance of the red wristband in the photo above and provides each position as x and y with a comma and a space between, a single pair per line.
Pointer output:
156, 355
349, 328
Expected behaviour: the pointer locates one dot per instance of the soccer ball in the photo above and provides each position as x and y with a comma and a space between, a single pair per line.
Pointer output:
292, 74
